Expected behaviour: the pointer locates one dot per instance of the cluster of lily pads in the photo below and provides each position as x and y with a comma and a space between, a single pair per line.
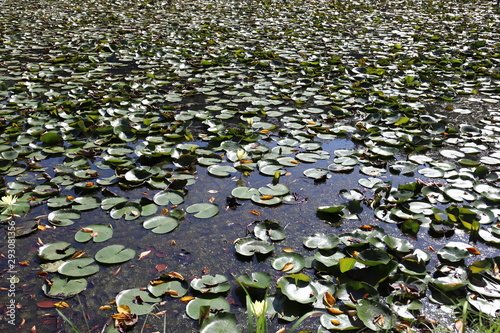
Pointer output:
363, 279
124, 106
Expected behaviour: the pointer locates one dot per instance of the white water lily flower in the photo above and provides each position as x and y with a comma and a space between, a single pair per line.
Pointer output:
258, 308
241, 154
8, 200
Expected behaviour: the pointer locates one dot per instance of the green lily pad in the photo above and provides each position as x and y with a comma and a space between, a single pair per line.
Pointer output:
221, 322
128, 211
168, 197
487, 306
352, 194
287, 161
56, 251
397, 244
266, 200
484, 286
323, 287
458, 194
375, 315
130, 298
114, 254
352, 292
161, 224
51, 138
63, 288
404, 167
109, 203
244, 192
221, 170
312, 157
419, 207
86, 203
215, 304
316, 173
97, 232
331, 258
269, 230
249, 246
297, 290
432, 172
79, 267
138, 175
373, 257
371, 171
274, 190
331, 209
370, 182
63, 217
271, 169
321, 241
207, 161
340, 322
212, 284
59, 202
288, 262
259, 280
203, 210
454, 251
173, 287
450, 278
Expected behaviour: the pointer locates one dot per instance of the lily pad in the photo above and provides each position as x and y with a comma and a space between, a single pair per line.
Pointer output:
221, 170
316, 173
297, 290
370, 182
86, 203
139, 301
97, 232
269, 230
249, 246
266, 200
274, 190
161, 224
56, 251
203, 210
340, 322
173, 287
138, 175
289, 262
114, 254
128, 211
454, 251
63, 288
212, 284
331, 209
79, 267
168, 197
63, 217
375, 315
244, 192
321, 241
221, 322
215, 304
354, 291
109, 203
259, 280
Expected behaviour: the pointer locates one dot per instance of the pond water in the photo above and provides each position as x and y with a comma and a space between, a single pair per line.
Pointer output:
384, 112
